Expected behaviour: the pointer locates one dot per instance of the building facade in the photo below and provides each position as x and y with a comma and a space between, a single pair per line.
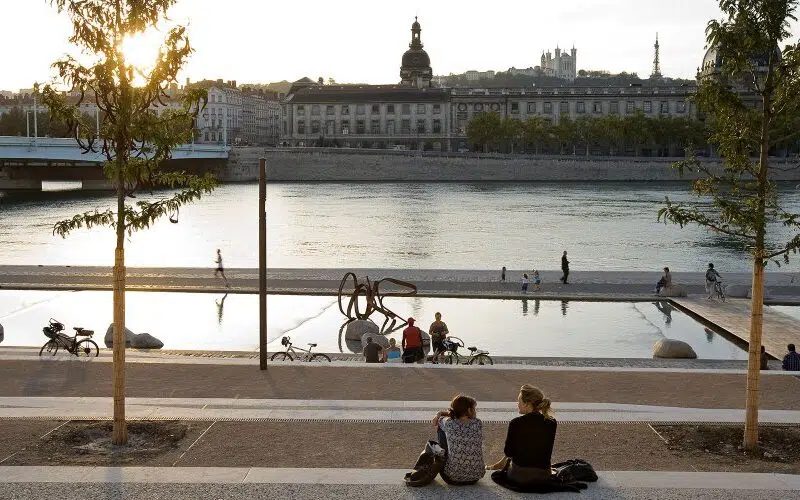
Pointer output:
563, 65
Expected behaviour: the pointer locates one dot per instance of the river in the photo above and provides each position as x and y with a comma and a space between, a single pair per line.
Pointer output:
604, 226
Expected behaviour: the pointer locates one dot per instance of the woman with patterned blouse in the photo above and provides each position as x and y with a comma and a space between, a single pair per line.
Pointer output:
460, 432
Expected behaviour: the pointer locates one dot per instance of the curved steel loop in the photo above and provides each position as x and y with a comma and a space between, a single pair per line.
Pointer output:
341, 287
374, 301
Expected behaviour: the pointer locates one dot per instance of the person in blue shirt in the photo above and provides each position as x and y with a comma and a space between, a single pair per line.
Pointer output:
791, 362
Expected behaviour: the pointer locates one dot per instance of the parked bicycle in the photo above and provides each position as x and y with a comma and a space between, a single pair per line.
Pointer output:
476, 356
57, 340
719, 290
291, 353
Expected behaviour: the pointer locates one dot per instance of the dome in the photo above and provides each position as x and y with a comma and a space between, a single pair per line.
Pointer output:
416, 25
713, 59
416, 58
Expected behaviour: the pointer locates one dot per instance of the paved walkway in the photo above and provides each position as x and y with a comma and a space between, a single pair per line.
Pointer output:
593, 285
229, 409
252, 482
733, 316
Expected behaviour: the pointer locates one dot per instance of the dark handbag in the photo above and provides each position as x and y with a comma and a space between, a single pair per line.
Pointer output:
574, 470
429, 464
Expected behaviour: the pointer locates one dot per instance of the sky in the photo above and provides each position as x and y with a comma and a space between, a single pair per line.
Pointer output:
254, 41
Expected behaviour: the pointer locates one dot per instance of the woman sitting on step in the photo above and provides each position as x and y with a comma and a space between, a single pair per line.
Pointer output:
530, 439
460, 433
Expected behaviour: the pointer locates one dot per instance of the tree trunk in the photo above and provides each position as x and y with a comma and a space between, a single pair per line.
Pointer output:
120, 431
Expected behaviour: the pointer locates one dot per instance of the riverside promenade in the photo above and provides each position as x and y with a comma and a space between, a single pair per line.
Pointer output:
344, 431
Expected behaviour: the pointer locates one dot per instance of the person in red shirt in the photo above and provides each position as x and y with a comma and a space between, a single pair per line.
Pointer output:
412, 343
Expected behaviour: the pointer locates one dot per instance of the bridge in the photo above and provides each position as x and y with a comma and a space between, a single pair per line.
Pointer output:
27, 161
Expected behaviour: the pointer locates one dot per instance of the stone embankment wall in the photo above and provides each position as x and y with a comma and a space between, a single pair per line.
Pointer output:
304, 165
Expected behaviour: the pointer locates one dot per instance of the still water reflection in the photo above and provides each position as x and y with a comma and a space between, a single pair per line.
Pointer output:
503, 327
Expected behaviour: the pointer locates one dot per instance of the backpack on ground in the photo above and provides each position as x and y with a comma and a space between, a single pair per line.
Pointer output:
574, 470
429, 464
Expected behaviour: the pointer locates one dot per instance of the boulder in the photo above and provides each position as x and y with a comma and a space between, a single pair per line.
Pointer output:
135, 340
357, 328
146, 341
674, 290
377, 338
671, 348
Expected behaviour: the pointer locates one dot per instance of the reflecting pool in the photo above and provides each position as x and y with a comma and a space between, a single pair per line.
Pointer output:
517, 327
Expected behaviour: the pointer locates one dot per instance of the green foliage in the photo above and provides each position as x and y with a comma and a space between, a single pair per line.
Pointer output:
753, 104
134, 138
485, 130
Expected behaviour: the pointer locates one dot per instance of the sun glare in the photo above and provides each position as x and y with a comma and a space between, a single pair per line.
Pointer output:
141, 50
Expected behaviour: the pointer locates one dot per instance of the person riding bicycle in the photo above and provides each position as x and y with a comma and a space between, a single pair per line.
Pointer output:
712, 276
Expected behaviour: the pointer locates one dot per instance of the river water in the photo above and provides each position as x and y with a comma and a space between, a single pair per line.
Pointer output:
604, 226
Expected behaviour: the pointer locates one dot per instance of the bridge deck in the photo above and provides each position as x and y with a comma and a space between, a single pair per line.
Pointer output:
733, 316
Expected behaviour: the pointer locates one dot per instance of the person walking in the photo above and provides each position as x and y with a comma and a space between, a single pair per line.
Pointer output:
220, 268
525, 282
711, 277
537, 280
565, 268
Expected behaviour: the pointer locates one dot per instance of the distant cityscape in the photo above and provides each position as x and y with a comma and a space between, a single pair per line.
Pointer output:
422, 111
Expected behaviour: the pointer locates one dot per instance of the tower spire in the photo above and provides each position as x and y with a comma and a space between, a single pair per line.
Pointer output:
656, 64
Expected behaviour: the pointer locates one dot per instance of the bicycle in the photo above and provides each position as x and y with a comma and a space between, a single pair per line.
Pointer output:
719, 290
476, 357
84, 347
291, 353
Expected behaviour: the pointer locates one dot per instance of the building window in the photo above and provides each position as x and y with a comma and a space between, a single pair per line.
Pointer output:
376, 109
301, 127
531, 107
478, 107
420, 109
664, 107
315, 110
548, 108
360, 126
390, 130
420, 126
346, 127
406, 109
437, 126
629, 107
315, 127
375, 127
437, 109
329, 110
563, 108
360, 109
390, 109
301, 110
330, 127
580, 107
681, 107
345, 109
613, 107
515, 108
405, 125
648, 106
597, 107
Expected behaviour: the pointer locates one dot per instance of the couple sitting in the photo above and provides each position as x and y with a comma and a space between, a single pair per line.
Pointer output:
528, 448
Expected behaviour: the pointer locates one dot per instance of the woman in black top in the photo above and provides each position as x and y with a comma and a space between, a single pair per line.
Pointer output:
530, 439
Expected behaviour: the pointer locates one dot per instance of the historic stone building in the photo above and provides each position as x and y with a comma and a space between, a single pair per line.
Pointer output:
563, 65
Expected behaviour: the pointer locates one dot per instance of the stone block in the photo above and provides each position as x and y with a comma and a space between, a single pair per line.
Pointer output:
671, 348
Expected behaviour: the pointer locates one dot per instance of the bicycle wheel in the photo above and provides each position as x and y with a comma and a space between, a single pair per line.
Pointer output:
51, 347
320, 358
450, 358
481, 359
720, 291
281, 356
86, 348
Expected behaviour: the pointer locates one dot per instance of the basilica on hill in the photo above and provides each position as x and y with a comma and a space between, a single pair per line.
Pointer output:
415, 114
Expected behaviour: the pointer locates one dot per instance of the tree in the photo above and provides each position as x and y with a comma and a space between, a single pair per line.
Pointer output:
751, 94
511, 132
484, 129
134, 139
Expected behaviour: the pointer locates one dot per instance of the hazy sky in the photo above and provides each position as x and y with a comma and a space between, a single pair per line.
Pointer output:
363, 40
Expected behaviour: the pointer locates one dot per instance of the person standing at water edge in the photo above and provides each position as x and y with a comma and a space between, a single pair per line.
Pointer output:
525, 283
665, 281
220, 268
791, 362
711, 277
537, 280
565, 268
412, 343
438, 331
503, 274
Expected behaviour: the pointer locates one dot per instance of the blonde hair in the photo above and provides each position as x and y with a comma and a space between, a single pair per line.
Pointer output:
535, 397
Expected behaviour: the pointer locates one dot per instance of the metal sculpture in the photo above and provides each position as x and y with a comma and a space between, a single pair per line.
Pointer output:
374, 300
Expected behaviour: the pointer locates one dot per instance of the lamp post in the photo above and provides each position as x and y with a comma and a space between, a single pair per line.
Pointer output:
28, 123
35, 120
262, 264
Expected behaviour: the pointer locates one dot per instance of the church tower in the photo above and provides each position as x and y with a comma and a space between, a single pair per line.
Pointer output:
416, 65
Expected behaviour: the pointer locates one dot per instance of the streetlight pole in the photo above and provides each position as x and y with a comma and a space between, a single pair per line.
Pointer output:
262, 263
35, 113
97, 122
28, 124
